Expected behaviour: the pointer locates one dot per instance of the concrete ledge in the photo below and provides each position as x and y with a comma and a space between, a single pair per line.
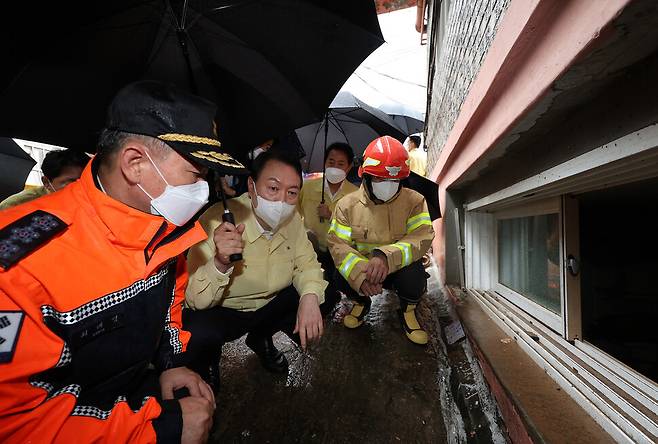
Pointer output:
533, 406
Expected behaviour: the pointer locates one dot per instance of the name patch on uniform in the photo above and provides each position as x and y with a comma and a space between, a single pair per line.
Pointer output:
26, 234
10, 328
99, 328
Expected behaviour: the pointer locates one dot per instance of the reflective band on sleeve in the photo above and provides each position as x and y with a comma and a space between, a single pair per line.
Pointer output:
405, 248
365, 247
341, 231
348, 264
418, 220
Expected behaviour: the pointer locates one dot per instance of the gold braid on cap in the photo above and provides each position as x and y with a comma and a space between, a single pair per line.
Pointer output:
220, 158
172, 137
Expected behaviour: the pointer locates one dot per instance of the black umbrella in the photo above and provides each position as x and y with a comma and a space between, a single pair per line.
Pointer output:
15, 166
409, 124
274, 65
429, 189
348, 120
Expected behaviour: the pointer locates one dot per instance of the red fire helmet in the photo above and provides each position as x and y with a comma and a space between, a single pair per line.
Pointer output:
385, 157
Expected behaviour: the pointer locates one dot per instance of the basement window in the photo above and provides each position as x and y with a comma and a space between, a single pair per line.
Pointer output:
528, 260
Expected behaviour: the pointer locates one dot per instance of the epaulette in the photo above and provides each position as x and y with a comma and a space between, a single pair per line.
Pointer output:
26, 234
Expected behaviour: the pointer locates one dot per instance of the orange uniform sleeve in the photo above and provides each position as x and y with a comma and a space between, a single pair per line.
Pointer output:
29, 413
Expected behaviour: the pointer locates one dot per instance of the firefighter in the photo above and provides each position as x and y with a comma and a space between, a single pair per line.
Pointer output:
92, 282
378, 236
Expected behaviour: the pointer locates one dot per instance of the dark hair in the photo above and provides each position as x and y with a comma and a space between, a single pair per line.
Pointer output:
416, 140
110, 141
56, 161
275, 155
343, 148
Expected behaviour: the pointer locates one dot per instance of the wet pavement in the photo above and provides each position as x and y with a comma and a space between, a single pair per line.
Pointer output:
365, 385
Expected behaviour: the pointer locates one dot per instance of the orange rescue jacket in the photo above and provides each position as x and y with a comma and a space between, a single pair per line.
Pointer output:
91, 294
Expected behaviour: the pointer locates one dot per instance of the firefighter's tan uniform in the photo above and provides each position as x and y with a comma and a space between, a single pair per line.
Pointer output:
401, 229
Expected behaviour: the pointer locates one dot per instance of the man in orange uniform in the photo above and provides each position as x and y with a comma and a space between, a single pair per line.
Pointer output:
92, 281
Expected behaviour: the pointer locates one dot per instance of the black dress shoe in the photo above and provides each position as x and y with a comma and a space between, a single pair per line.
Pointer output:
270, 357
209, 373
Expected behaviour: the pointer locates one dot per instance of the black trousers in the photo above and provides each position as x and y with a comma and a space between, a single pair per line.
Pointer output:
328, 267
409, 283
327, 263
214, 327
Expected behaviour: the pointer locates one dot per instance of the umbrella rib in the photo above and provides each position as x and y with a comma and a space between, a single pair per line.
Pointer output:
183, 15
336, 124
173, 14
218, 9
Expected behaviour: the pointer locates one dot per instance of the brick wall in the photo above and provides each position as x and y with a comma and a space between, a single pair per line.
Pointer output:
466, 33
393, 5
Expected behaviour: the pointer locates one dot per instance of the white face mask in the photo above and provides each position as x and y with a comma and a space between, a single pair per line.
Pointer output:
178, 204
334, 175
273, 213
386, 189
257, 152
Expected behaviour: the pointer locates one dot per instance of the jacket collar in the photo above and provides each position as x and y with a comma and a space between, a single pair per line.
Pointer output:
363, 195
130, 227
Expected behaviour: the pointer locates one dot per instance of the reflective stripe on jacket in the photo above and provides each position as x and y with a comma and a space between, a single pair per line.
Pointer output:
401, 229
97, 306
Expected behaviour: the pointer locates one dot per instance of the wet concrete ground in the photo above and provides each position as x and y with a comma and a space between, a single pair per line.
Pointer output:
368, 385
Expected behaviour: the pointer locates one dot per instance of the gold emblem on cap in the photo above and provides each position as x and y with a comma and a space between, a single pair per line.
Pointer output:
186, 138
220, 158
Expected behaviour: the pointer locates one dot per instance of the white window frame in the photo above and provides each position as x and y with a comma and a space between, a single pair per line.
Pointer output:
552, 320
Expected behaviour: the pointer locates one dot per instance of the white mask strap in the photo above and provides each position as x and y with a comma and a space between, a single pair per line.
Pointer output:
156, 168
50, 184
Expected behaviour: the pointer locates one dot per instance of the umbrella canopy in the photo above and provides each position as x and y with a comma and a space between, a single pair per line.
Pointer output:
15, 166
409, 124
410, 119
348, 120
271, 65
429, 189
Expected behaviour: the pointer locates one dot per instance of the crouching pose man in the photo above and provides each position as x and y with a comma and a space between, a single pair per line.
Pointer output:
276, 286
378, 236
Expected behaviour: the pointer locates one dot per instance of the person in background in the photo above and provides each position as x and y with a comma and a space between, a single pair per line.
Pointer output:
417, 156
260, 149
277, 286
338, 161
92, 282
237, 185
59, 168
378, 236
